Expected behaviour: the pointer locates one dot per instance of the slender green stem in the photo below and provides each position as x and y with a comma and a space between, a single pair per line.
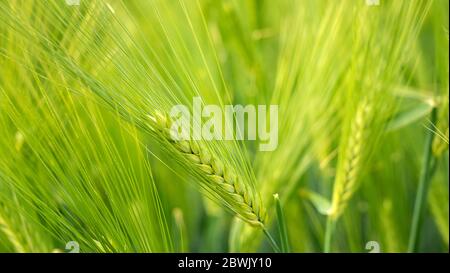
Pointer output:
179, 231
422, 188
281, 225
331, 223
272, 242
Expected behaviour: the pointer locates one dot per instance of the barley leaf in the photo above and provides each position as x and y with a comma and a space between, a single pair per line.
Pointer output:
321, 203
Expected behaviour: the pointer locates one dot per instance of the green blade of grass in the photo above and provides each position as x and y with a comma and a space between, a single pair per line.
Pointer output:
281, 225
422, 189
272, 242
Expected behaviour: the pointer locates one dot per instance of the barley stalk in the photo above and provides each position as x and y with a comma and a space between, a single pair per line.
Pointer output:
422, 190
221, 177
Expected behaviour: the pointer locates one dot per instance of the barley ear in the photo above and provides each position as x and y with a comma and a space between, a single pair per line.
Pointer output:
11, 235
221, 178
348, 171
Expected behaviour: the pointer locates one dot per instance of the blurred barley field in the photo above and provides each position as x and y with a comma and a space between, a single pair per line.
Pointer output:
361, 163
